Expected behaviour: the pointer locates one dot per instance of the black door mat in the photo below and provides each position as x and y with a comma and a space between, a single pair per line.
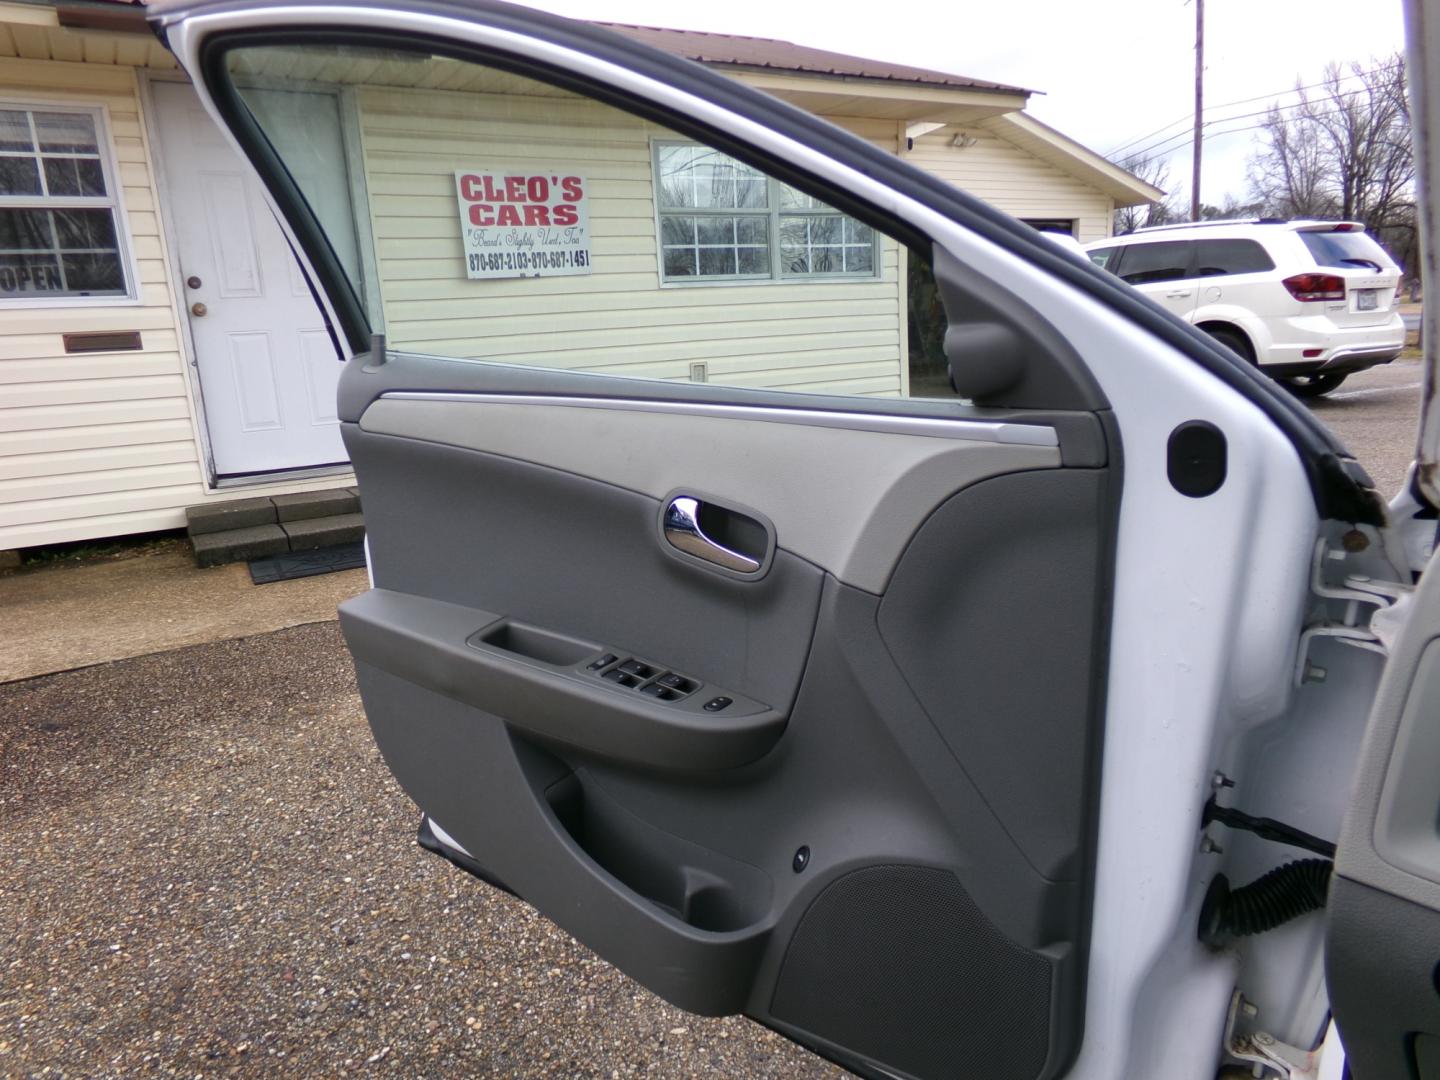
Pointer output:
297, 564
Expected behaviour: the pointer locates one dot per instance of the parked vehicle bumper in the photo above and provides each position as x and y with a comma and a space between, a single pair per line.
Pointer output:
1344, 350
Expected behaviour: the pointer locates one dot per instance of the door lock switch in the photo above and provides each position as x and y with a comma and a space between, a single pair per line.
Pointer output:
601, 662
679, 683
716, 704
636, 668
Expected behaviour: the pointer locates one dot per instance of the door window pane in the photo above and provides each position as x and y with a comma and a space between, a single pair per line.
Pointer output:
1218, 257
1165, 261
519, 222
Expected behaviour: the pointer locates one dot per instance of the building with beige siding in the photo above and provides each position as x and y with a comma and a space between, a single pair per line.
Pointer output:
160, 350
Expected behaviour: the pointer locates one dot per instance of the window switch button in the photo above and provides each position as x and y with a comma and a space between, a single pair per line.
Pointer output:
636, 668
677, 682
716, 704
661, 693
618, 676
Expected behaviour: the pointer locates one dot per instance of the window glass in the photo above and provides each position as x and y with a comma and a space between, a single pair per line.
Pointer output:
58, 234
1159, 261
1346, 249
754, 226
1102, 257
1217, 257
509, 220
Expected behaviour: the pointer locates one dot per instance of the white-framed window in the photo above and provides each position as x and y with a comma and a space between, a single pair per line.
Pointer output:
61, 234
722, 220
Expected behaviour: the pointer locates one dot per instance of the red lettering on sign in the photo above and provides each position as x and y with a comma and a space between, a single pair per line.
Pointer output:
481, 215
492, 193
570, 189
565, 215
470, 188
515, 188
507, 215
537, 215
538, 188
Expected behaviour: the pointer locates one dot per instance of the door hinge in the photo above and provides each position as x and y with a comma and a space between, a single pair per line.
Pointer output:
1371, 617
1266, 1054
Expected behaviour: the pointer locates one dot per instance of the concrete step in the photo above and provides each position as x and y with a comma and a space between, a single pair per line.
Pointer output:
270, 510
253, 528
239, 545
307, 534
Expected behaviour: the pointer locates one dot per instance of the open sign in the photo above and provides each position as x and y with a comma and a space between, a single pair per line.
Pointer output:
523, 224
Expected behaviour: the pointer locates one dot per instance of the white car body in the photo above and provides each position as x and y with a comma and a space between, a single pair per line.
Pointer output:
1353, 324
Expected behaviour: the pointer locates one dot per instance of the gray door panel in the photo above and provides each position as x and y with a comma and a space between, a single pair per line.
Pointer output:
1383, 915
925, 734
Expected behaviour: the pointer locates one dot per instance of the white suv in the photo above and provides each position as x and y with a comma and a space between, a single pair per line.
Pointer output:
1308, 301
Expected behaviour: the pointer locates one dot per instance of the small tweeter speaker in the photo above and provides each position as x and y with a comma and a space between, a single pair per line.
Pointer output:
1197, 459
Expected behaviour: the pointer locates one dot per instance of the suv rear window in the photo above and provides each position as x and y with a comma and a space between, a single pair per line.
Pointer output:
1141, 264
1217, 257
1345, 249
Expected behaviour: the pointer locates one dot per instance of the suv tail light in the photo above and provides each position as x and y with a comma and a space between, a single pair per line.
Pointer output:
1312, 287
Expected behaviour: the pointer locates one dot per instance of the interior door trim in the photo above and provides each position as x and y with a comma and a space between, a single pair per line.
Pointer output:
973, 430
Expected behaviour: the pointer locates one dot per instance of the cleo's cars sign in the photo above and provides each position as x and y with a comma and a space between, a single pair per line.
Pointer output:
523, 224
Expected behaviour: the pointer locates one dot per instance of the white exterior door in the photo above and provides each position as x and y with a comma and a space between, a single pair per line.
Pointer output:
266, 363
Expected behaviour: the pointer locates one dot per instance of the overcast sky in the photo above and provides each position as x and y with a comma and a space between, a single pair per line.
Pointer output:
1110, 70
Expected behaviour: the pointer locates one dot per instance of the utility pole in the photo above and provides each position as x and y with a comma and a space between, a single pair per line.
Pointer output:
1199, 107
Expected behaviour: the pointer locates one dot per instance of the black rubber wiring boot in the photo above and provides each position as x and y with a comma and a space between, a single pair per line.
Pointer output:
1285, 893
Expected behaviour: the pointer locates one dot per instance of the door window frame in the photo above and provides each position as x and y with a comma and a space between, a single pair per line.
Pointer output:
113, 201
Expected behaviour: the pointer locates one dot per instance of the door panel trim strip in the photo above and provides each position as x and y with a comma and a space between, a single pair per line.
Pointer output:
971, 430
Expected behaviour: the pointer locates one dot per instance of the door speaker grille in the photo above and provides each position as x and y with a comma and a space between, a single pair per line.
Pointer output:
898, 963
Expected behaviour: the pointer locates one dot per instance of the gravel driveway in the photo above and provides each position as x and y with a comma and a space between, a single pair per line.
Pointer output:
208, 871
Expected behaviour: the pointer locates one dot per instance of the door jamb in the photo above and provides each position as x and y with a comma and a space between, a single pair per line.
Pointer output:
191, 365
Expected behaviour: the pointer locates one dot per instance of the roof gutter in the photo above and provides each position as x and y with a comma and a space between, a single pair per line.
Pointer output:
119, 18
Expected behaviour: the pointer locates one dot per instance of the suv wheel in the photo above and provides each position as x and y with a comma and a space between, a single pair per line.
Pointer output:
1308, 386
1233, 340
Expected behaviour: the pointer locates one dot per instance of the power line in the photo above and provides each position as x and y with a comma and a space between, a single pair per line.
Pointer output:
1242, 101
1154, 148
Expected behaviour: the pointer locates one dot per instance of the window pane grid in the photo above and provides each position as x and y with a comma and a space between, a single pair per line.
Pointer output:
58, 232
793, 235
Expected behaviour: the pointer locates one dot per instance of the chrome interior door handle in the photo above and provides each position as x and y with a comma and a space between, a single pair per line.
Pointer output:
682, 531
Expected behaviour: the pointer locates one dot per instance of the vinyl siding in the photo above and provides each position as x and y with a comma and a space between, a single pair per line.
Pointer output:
819, 336
1013, 180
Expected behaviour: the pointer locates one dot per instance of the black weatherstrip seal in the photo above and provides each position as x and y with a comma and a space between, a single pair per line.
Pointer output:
1339, 486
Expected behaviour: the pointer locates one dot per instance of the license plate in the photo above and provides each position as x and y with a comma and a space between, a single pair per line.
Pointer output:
1367, 299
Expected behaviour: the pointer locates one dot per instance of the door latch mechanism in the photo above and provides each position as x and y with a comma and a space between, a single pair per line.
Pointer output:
1371, 618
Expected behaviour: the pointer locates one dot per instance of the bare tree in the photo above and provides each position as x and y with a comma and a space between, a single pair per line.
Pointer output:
1156, 171
1341, 153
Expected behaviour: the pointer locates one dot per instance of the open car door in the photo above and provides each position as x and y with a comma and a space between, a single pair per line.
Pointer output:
707, 618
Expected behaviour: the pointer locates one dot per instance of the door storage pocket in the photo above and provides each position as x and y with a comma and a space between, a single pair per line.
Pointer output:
708, 890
